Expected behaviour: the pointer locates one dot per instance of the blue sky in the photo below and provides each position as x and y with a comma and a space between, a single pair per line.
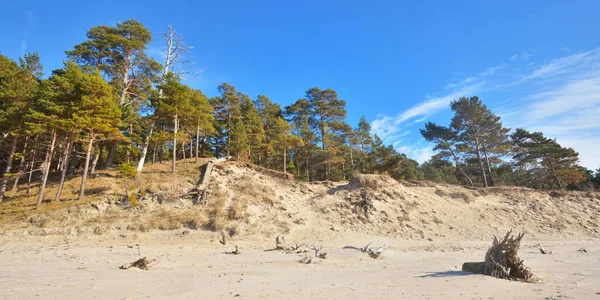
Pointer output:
536, 63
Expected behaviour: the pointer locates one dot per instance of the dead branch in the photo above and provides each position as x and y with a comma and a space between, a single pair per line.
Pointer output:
141, 263
582, 250
306, 259
542, 250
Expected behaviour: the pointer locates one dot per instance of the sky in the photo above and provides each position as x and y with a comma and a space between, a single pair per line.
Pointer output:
398, 63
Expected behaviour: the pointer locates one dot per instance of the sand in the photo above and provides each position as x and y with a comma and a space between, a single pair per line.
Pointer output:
73, 250
193, 267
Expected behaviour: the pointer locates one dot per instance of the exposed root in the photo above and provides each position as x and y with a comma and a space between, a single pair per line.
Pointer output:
502, 260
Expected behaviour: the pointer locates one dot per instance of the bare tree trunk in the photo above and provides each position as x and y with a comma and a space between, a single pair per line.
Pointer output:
47, 162
65, 167
483, 177
489, 167
183, 150
191, 147
176, 121
9, 161
95, 160
21, 164
140, 165
87, 165
35, 155
197, 138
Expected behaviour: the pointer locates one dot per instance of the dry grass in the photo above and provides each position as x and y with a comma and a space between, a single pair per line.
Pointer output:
237, 210
462, 195
441, 193
218, 215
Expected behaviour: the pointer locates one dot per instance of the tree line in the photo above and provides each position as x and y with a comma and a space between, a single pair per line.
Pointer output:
112, 104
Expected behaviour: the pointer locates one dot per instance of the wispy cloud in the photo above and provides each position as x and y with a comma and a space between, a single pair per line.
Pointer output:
387, 127
30, 24
561, 98
521, 56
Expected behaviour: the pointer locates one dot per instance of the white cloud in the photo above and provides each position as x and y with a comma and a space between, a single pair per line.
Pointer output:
521, 56
386, 127
492, 70
560, 65
561, 99
30, 18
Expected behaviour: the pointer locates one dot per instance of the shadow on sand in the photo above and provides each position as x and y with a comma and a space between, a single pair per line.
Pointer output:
446, 274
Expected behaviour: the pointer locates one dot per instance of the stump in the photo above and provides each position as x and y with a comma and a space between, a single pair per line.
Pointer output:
474, 267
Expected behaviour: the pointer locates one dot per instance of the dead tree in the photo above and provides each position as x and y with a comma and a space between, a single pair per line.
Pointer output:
176, 49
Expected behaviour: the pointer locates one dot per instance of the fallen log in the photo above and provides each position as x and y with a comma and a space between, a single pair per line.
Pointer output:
142, 263
474, 267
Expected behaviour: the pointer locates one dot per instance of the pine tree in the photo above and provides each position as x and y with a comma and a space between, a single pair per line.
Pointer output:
18, 85
534, 153
480, 132
445, 140
175, 104
253, 125
364, 141
227, 109
119, 52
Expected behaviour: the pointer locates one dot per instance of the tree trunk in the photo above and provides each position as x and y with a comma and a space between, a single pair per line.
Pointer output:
154, 153
87, 165
65, 167
351, 161
111, 156
197, 138
307, 172
284, 160
74, 159
489, 167
95, 160
129, 133
160, 153
459, 167
183, 150
140, 165
191, 147
483, 177
176, 121
9, 161
47, 162
553, 173
35, 155
21, 164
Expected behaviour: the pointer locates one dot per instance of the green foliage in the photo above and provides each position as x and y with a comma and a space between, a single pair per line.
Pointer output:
546, 162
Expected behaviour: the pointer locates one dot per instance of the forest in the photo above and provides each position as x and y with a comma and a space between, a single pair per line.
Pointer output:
112, 105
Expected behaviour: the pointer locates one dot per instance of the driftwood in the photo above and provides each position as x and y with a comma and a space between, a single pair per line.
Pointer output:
582, 250
318, 253
370, 252
141, 263
234, 252
281, 245
542, 250
222, 238
502, 260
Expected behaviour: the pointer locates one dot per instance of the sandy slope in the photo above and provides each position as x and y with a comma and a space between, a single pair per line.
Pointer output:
74, 252
191, 267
